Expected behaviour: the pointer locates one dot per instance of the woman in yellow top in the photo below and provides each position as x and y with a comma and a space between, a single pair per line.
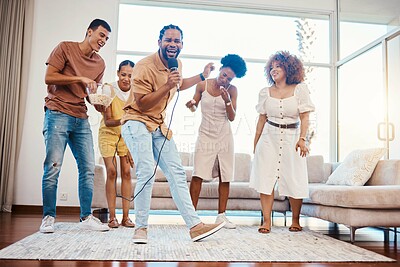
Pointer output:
111, 143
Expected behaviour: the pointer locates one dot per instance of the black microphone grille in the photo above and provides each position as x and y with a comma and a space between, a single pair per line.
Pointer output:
172, 63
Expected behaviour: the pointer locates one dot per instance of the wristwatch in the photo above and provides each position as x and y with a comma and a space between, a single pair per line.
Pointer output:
228, 104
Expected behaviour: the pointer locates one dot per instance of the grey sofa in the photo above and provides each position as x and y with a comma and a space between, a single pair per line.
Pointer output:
241, 197
375, 204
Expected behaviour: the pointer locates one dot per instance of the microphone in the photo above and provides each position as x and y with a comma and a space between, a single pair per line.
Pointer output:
173, 65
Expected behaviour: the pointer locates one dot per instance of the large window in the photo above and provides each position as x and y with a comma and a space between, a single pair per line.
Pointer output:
209, 35
354, 36
361, 102
367, 85
361, 23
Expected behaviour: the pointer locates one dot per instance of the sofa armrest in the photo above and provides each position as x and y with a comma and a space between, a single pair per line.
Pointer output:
99, 187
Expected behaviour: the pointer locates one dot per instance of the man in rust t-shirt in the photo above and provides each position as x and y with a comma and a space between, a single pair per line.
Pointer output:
73, 69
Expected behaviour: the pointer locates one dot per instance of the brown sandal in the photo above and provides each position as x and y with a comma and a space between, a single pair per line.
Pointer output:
263, 229
295, 228
127, 222
113, 223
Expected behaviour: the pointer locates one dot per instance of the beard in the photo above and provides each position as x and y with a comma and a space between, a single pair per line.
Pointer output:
165, 53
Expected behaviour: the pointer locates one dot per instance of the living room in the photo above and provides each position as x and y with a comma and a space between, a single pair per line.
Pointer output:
353, 61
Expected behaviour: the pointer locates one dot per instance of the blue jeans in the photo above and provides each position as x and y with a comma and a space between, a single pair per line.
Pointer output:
145, 147
59, 130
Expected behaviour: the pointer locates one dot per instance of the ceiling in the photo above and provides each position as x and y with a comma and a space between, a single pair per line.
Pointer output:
371, 11
385, 12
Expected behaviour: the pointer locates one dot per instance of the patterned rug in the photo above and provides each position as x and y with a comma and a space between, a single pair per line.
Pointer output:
172, 243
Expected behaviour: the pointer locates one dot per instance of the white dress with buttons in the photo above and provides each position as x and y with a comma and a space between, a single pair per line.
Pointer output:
276, 161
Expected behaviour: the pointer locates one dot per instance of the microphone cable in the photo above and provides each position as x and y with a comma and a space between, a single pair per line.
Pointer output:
158, 158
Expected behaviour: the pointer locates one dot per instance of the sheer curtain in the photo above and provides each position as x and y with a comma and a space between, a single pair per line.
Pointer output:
16, 19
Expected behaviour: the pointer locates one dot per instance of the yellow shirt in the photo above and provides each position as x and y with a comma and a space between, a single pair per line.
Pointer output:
117, 111
149, 74
110, 141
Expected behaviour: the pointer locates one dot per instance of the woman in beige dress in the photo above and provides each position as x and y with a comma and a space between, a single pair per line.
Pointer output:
280, 139
214, 145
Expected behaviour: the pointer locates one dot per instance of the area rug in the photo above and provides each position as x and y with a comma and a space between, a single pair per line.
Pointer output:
172, 243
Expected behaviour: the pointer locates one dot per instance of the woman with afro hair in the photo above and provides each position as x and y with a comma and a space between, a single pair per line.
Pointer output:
214, 150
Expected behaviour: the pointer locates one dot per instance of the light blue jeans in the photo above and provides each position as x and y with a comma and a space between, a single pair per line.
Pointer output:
145, 147
59, 130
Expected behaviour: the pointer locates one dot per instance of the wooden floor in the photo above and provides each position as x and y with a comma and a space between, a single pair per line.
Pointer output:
15, 226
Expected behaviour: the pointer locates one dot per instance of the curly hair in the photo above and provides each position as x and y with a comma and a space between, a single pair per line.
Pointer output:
236, 63
290, 63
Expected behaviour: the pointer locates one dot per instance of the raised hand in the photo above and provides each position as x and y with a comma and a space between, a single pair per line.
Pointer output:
225, 95
208, 69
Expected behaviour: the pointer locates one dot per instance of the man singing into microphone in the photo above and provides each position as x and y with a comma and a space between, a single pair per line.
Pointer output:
145, 133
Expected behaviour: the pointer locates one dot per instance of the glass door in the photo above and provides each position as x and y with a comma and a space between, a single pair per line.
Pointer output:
368, 99
393, 97
361, 102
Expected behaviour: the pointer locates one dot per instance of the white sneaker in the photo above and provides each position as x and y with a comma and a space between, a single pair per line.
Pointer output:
47, 225
222, 218
92, 223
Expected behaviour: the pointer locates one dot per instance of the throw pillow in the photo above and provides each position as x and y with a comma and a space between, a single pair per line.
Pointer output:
357, 167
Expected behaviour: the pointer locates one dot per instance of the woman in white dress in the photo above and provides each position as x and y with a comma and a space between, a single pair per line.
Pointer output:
280, 140
214, 145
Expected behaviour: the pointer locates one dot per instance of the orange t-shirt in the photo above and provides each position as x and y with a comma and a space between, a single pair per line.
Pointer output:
70, 60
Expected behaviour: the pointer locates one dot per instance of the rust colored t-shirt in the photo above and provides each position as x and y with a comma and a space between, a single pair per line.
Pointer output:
149, 74
70, 60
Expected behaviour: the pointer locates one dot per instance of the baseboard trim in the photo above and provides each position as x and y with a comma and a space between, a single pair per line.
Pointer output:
28, 209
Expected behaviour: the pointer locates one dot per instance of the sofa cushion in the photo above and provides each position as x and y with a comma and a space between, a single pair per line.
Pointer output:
371, 197
238, 190
242, 167
315, 169
241, 172
357, 167
160, 176
387, 172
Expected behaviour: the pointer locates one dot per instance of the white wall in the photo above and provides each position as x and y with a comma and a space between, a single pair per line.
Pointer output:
55, 21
